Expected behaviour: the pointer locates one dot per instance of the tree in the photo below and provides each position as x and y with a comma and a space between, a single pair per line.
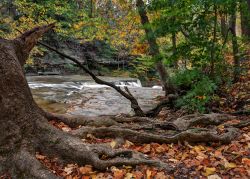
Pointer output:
154, 48
235, 42
245, 19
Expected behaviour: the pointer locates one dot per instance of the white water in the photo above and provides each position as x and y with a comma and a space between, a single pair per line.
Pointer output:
48, 82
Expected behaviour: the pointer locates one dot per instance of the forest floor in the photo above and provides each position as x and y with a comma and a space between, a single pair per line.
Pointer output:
200, 160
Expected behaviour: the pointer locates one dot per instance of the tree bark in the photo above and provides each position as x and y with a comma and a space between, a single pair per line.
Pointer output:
213, 51
235, 42
223, 25
245, 20
154, 48
174, 43
18, 111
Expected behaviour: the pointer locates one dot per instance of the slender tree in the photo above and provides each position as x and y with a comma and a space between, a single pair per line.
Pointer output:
235, 42
214, 41
154, 48
245, 19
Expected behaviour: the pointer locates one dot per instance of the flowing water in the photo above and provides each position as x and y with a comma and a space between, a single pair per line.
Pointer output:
80, 95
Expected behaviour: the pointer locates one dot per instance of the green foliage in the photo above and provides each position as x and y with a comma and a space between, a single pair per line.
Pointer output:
71, 68
187, 78
107, 51
200, 90
143, 67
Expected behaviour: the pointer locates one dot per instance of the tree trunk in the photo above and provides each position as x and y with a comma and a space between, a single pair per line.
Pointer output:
174, 49
245, 19
154, 48
235, 43
223, 25
213, 51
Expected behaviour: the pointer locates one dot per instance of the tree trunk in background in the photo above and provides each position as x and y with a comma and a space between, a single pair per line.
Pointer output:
91, 8
245, 19
154, 48
8, 8
235, 43
174, 49
248, 3
223, 25
212, 63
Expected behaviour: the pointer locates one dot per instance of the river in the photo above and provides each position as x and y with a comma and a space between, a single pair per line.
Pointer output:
80, 95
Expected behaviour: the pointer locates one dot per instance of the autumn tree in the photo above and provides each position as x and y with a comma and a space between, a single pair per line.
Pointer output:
154, 48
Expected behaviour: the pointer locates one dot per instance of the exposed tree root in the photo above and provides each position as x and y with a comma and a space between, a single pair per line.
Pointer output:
191, 135
188, 121
168, 102
75, 121
150, 131
239, 125
69, 147
72, 149
27, 166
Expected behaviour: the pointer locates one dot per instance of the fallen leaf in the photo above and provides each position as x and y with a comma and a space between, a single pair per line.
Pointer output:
85, 177
128, 176
184, 156
138, 175
113, 144
69, 169
173, 160
247, 137
69, 177
128, 144
148, 174
160, 175
118, 174
209, 171
246, 161
160, 149
87, 169
40, 157
66, 129
229, 165
215, 176
218, 154
146, 148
